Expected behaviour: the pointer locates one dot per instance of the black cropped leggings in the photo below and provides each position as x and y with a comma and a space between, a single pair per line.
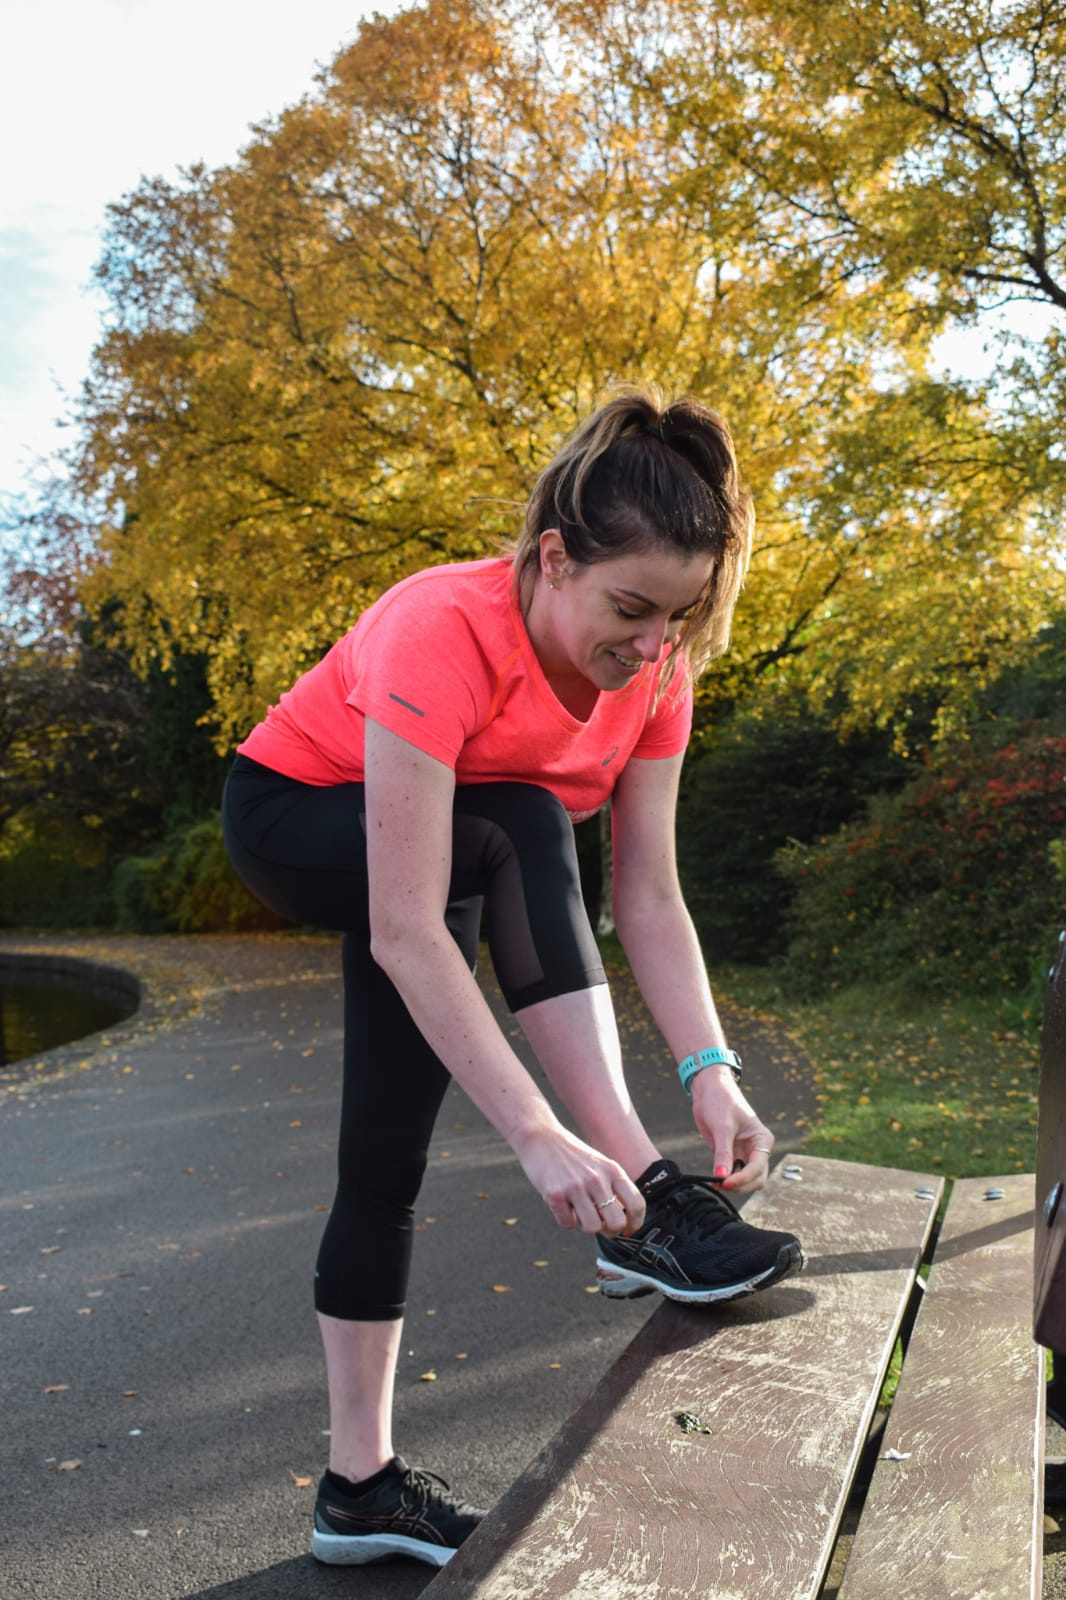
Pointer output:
301, 849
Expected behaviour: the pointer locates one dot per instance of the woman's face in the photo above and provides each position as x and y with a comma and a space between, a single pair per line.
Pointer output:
606, 621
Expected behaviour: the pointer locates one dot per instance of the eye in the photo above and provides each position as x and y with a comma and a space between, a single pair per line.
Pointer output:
630, 616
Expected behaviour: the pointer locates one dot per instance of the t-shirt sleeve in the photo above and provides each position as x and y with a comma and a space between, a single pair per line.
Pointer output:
669, 726
420, 672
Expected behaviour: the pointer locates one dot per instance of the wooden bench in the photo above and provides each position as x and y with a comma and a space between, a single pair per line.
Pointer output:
717, 1458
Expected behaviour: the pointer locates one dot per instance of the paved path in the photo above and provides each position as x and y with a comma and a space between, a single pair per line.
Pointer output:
162, 1198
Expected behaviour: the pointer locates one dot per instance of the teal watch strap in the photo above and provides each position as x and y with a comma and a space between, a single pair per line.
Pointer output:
687, 1069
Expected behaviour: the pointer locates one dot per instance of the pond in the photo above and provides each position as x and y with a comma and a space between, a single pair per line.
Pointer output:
38, 1013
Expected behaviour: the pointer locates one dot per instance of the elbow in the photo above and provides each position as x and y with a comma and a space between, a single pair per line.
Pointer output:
653, 908
398, 947
386, 947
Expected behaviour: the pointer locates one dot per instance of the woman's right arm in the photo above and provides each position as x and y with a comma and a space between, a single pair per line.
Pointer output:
409, 799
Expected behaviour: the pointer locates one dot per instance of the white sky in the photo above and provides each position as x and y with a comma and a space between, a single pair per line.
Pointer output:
93, 94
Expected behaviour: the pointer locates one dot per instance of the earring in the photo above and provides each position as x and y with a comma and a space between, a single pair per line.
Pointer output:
552, 584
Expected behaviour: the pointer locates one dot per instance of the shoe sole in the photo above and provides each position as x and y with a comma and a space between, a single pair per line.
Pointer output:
347, 1550
625, 1283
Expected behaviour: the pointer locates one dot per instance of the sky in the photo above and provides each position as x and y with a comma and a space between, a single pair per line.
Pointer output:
93, 95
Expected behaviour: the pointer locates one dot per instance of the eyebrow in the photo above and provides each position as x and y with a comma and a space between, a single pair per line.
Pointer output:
634, 594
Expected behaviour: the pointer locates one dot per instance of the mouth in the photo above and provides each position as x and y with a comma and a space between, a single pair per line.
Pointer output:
627, 663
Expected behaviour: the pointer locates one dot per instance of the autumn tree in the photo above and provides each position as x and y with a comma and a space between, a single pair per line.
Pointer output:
346, 355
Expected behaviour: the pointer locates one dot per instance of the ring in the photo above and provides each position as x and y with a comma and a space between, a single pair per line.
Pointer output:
765, 1148
612, 1199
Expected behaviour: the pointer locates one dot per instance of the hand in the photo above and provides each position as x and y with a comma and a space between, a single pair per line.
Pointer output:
731, 1131
582, 1188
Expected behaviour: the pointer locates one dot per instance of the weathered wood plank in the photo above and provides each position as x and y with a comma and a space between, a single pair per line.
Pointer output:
1049, 1277
961, 1517
624, 1505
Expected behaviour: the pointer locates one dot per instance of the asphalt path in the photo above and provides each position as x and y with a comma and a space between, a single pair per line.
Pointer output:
164, 1188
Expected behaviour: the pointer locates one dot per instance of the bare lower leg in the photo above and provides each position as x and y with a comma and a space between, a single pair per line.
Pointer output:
575, 1039
361, 1369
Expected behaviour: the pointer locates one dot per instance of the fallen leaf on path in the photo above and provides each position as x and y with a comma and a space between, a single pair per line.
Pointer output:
509, 1222
427, 1377
129, 1394
68, 1466
501, 1288
462, 1356
540, 1263
56, 1388
592, 1288
20, 1311
299, 1480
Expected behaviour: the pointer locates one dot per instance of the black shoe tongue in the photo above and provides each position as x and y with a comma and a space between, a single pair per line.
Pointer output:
655, 1175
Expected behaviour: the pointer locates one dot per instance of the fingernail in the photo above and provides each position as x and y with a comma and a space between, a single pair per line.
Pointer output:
720, 1172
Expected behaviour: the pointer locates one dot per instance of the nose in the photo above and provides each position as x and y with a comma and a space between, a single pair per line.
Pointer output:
648, 644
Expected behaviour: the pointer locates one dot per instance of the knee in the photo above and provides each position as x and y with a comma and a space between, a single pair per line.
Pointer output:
531, 818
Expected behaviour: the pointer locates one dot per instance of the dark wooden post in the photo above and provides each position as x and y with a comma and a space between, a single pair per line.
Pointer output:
1049, 1276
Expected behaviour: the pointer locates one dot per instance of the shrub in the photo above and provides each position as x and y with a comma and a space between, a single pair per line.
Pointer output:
762, 781
138, 889
943, 887
53, 883
187, 887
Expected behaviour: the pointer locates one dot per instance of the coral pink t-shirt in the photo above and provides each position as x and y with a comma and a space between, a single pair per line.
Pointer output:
444, 660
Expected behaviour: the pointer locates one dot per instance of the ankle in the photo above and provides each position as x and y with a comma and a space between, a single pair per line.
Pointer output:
357, 1469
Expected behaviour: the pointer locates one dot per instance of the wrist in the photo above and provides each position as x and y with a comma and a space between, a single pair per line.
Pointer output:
534, 1121
717, 1058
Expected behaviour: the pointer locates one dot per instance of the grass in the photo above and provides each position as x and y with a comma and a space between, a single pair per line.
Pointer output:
944, 1086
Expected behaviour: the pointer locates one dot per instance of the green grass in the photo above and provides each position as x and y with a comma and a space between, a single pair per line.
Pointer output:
945, 1086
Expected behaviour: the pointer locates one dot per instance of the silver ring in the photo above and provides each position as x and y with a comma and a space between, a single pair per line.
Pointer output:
765, 1148
612, 1199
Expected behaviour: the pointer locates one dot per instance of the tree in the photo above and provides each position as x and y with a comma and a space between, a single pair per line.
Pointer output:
346, 355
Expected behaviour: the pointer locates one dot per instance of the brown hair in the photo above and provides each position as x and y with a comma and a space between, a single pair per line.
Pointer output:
642, 472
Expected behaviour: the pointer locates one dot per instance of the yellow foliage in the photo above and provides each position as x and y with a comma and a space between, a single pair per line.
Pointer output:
346, 356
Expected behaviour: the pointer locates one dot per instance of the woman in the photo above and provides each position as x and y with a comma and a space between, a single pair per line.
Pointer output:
432, 765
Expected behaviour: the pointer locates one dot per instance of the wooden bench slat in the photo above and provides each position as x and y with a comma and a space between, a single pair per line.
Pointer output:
961, 1517
1049, 1276
624, 1505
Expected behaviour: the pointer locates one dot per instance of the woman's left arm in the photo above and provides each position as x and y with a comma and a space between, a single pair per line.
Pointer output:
660, 941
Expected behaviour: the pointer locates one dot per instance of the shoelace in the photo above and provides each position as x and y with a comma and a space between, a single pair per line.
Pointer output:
694, 1201
424, 1486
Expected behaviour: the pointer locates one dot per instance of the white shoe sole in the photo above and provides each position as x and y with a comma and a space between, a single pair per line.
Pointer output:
345, 1550
625, 1283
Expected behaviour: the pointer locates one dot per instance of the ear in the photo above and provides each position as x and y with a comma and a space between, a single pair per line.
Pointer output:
553, 557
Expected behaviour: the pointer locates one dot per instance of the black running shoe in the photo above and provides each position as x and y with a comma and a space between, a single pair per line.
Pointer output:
408, 1513
694, 1245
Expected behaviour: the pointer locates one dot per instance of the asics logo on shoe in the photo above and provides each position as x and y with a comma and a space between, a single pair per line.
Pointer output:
653, 1251
404, 1521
